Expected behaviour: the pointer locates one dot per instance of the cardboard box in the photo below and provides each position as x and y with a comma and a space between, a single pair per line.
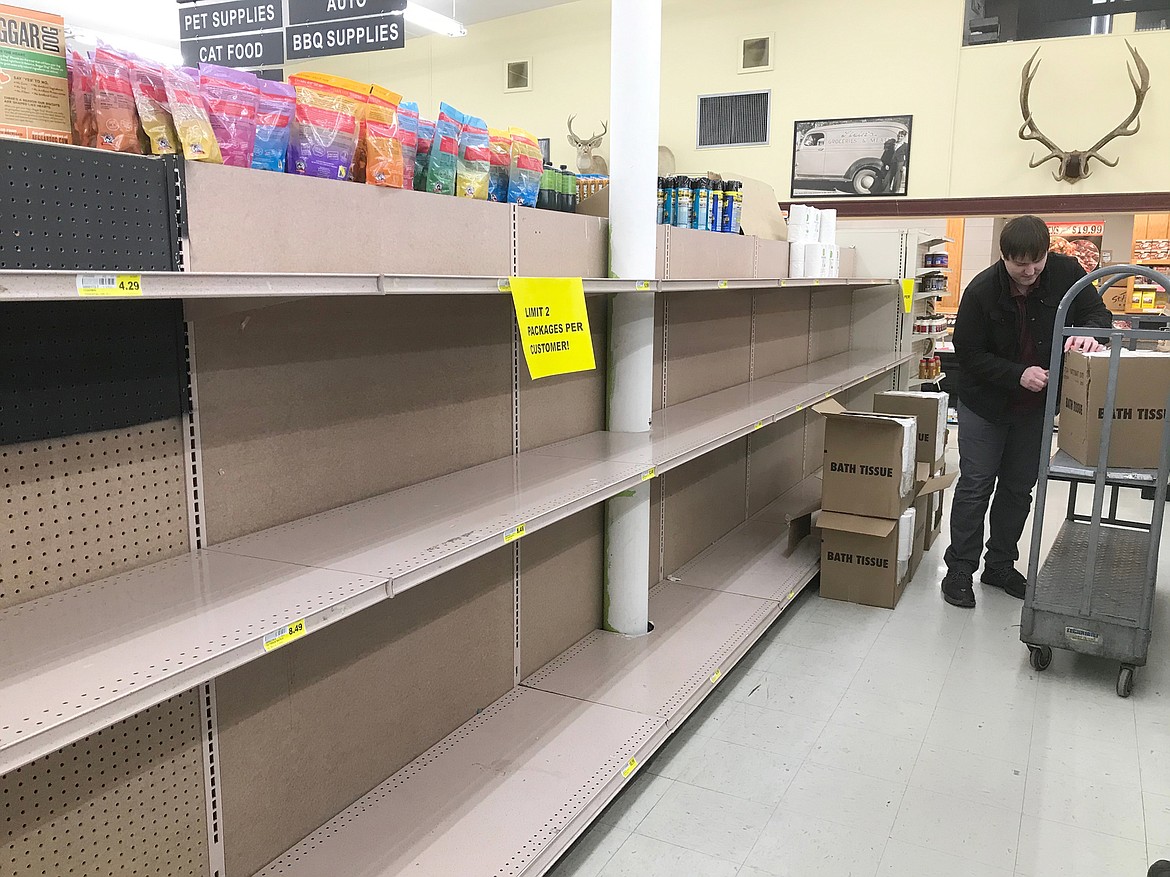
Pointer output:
1143, 385
859, 554
34, 84
930, 411
868, 463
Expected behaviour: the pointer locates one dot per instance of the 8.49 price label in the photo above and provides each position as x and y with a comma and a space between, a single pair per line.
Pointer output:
109, 285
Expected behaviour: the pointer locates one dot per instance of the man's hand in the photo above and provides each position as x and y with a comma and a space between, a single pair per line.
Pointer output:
1034, 378
1084, 345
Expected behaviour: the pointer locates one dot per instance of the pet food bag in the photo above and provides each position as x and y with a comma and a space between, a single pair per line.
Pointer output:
278, 101
192, 123
83, 124
359, 92
118, 128
474, 165
233, 99
384, 166
422, 156
154, 111
526, 170
408, 134
324, 131
500, 144
443, 167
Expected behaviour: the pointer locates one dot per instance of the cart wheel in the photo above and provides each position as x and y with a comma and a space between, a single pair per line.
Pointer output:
1039, 657
1125, 681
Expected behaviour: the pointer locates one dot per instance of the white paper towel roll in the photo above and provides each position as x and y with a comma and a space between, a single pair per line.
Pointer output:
906, 534
796, 260
812, 260
828, 230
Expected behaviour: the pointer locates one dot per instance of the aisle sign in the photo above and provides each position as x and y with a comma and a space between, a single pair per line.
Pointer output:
266, 33
554, 325
313, 11
236, 50
231, 17
347, 37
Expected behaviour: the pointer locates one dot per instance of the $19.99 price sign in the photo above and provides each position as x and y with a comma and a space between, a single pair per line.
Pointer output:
554, 325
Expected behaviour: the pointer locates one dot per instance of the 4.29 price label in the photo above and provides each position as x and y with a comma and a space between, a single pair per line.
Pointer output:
110, 285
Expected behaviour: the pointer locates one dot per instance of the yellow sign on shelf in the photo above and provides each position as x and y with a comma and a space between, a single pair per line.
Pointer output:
908, 294
650, 474
282, 636
109, 285
631, 766
554, 325
517, 532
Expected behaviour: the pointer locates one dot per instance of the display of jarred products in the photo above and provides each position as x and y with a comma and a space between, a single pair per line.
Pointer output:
929, 368
930, 324
937, 260
934, 283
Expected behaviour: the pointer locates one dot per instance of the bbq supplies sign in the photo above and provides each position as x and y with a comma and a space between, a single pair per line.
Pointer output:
1081, 240
266, 33
554, 325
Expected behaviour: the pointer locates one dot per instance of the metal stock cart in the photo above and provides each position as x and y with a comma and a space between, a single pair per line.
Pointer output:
1094, 593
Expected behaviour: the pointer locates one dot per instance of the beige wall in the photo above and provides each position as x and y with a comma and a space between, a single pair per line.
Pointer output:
833, 58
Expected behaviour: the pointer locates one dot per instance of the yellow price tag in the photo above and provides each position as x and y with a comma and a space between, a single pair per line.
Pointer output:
650, 473
518, 532
816, 282
504, 285
630, 767
722, 284
718, 675
792, 595
642, 285
554, 325
110, 285
908, 294
282, 636
759, 424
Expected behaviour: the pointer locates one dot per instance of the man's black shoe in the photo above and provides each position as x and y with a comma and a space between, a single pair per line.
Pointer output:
1160, 868
1006, 577
956, 589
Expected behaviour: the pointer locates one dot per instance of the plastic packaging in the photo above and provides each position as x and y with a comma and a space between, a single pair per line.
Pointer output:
116, 114
278, 102
661, 200
500, 144
715, 209
408, 134
684, 198
324, 132
547, 199
192, 123
359, 93
422, 157
701, 199
526, 170
474, 166
81, 116
150, 96
448, 113
384, 165
443, 167
233, 98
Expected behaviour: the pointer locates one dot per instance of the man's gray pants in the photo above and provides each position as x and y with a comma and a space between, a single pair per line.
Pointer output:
999, 458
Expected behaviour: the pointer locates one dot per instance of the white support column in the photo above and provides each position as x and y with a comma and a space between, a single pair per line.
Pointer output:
635, 72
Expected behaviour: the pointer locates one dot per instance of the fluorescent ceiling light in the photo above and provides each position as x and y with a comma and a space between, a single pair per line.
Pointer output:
428, 19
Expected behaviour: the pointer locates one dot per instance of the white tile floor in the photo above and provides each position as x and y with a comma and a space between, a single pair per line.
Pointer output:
916, 743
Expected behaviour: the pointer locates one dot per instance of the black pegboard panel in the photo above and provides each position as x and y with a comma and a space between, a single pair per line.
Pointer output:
68, 368
71, 209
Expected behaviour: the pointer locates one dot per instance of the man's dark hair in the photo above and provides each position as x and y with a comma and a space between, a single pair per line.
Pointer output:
1024, 239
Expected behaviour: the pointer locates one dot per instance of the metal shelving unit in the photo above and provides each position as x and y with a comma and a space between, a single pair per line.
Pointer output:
212, 610
574, 733
189, 286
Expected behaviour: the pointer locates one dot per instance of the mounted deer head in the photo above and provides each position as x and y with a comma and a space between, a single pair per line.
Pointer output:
587, 162
1074, 166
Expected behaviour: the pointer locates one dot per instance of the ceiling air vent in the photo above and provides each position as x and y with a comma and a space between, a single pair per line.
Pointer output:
518, 76
755, 54
740, 119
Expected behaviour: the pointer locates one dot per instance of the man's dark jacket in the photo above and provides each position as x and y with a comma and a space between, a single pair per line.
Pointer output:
987, 330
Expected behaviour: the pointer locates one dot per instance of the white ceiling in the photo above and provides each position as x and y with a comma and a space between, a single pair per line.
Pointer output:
157, 21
